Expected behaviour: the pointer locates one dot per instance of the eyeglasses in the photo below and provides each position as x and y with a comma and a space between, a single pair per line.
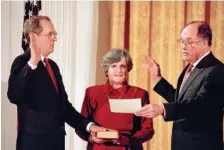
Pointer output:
188, 43
50, 34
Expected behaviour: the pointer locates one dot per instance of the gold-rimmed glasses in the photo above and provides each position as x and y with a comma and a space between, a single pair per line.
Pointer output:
50, 34
188, 43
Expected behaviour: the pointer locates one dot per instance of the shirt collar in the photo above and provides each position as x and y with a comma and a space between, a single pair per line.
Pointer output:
108, 88
42, 59
195, 63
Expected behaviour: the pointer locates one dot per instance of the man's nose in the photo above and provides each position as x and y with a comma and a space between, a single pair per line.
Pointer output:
55, 38
183, 46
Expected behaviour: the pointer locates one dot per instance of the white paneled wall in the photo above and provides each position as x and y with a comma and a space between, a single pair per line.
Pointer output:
75, 53
86, 47
11, 35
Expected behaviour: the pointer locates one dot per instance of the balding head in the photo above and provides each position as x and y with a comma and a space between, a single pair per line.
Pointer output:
203, 30
195, 40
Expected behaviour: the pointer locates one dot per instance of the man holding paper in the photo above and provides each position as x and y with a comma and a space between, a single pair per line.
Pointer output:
101, 105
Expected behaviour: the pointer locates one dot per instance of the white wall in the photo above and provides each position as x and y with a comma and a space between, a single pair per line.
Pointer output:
11, 34
75, 53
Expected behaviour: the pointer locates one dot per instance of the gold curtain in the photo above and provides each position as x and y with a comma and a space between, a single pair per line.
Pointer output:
151, 28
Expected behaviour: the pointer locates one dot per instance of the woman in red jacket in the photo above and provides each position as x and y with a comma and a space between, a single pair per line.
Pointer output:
133, 130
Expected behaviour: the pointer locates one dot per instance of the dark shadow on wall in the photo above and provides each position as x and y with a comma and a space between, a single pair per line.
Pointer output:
103, 41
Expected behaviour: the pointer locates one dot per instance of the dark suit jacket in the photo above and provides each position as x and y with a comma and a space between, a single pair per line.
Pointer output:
197, 110
42, 111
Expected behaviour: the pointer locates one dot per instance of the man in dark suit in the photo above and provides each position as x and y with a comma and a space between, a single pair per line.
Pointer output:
196, 105
36, 87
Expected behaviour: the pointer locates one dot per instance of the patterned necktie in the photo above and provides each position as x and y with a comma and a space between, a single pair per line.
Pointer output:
186, 75
51, 73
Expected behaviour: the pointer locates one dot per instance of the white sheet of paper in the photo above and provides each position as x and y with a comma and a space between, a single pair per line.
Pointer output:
125, 105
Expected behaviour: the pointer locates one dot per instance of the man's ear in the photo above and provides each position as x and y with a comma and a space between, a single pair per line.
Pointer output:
32, 34
205, 43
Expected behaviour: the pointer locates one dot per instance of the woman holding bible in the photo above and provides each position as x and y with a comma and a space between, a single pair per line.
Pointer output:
133, 131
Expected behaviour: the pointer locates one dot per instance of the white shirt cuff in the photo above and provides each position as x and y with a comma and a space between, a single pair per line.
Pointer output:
32, 66
88, 126
164, 110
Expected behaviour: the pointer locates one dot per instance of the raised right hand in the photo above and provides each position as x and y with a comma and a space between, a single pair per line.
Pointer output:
35, 50
153, 68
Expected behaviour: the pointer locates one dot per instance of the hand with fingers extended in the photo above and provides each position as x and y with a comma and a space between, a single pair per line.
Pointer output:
95, 128
35, 50
150, 111
153, 68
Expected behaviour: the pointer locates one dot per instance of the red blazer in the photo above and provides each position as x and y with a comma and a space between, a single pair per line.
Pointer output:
134, 130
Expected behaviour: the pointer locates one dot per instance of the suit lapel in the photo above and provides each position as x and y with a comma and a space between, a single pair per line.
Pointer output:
190, 79
202, 65
56, 74
179, 82
48, 78
43, 71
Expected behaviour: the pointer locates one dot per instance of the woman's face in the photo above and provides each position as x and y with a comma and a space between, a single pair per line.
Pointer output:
118, 72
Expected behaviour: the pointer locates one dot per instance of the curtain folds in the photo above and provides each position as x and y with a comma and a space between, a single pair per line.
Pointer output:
153, 29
